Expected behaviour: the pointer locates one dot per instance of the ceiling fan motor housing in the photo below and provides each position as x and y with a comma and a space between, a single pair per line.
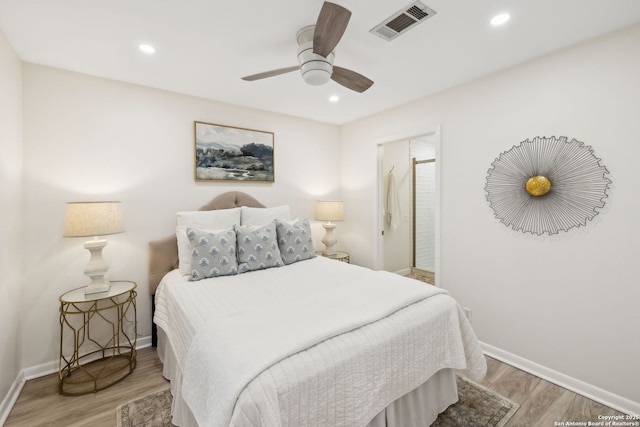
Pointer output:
316, 70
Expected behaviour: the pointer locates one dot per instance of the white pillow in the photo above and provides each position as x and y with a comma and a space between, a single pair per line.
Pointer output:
221, 219
264, 216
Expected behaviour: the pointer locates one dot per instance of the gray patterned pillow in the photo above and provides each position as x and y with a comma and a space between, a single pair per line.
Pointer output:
257, 247
295, 241
213, 253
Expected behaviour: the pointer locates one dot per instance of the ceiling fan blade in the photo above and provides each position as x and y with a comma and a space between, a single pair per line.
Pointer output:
271, 73
350, 79
330, 26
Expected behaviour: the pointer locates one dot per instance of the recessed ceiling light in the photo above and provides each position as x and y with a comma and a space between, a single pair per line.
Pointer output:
334, 98
500, 19
146, 48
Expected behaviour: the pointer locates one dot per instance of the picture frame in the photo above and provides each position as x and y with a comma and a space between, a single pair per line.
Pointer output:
232, 154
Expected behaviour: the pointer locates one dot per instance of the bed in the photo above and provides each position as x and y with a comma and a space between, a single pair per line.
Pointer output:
297, 339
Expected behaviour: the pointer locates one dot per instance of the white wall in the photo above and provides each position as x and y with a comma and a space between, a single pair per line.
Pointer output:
573, 308
10, 214
88, 138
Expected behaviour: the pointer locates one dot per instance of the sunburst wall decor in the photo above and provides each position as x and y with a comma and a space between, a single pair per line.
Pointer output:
547, 185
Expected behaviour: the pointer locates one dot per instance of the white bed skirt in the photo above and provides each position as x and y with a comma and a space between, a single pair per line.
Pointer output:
417, 408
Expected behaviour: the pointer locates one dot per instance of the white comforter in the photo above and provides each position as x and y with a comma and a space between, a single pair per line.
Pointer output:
318, 342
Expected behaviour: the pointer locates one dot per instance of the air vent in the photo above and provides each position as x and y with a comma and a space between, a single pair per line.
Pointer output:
402, 21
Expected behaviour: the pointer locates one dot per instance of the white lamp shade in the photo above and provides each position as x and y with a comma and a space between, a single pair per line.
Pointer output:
329, 210
84, 219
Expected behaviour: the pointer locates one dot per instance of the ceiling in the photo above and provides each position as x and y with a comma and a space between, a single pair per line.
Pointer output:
203, 47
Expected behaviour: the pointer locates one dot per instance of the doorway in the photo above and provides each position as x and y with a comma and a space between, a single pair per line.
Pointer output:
410, 244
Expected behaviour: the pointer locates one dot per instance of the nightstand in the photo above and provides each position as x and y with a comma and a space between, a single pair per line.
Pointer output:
340, 256
98, 335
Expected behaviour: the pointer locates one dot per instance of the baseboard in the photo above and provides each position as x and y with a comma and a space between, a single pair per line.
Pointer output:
403, 272
143, 342
587, 390
10, 399
40, 371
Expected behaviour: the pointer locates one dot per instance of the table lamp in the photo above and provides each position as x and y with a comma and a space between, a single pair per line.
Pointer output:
85, 219
329, 210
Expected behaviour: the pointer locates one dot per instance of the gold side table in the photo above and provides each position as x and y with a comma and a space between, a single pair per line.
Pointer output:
98, 336
339, 255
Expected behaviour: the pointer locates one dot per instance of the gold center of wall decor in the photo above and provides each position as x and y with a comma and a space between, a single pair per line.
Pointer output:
520, 177
538, 185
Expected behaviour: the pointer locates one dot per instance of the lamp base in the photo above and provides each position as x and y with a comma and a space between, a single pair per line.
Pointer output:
96, 268
97, 289
329, 240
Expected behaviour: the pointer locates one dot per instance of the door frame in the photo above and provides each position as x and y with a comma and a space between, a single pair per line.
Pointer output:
408, 135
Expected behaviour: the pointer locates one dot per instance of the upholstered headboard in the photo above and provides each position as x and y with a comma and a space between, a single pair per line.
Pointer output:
163, 253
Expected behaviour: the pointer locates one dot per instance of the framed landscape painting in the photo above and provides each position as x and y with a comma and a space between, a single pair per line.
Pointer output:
227, 153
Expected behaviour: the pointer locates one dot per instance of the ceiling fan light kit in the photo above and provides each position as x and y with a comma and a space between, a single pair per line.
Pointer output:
315, 52
316, 70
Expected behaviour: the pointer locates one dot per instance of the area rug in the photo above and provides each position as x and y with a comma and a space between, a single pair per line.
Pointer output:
152, 410
476, 407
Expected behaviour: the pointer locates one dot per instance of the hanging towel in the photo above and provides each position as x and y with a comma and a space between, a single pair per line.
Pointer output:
393, 203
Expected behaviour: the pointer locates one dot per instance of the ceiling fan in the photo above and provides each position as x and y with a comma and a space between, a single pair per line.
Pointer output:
315, 52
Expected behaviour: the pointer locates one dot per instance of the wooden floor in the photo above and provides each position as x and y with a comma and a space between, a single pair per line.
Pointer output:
541, 402
39, 404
